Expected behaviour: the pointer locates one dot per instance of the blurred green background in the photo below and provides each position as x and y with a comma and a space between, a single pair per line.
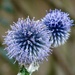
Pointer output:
62, 61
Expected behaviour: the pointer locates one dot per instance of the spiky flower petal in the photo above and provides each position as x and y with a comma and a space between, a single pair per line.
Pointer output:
59, 24
27, 41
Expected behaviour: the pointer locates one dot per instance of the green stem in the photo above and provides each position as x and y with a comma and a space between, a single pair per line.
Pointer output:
23, 71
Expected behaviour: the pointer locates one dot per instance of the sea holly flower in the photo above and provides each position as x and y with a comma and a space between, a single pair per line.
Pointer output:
59, 24
28, 41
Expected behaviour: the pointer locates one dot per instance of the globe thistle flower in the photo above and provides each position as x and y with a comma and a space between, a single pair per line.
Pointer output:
59, 24
27, 41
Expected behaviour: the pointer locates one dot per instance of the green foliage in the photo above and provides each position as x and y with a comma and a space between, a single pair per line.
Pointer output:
7, 6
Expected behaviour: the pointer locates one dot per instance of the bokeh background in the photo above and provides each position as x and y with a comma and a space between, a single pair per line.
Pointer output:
62, 61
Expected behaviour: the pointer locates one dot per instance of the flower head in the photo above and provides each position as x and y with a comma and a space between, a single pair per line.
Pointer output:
27, 41
59, 24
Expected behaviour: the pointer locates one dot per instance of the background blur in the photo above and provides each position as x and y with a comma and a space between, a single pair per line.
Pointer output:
62, 61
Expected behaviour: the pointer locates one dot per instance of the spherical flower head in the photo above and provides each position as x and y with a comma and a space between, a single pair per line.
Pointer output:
28, 41
59, 24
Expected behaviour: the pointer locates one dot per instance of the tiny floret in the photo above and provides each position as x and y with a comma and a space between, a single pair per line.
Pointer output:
27, 41
59, 24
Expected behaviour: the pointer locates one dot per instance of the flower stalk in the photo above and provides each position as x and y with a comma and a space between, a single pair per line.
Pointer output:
23, 71
28, 70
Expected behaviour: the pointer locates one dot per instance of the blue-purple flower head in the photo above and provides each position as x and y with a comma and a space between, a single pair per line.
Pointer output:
59, 24
28, 41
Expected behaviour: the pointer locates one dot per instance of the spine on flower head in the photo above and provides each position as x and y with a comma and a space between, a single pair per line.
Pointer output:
59, 23
28, 41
